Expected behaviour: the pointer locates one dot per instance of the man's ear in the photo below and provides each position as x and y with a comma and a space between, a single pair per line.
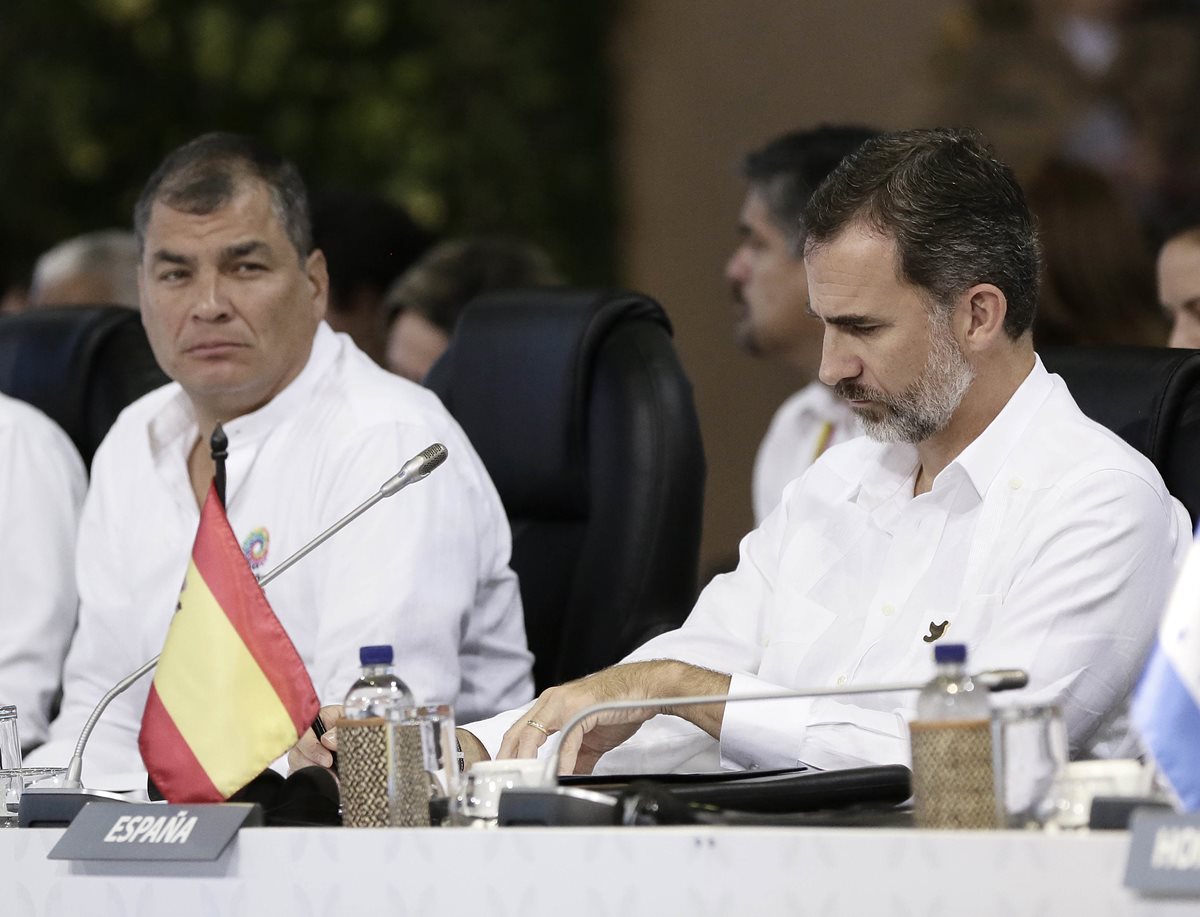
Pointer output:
318, 279
981, 316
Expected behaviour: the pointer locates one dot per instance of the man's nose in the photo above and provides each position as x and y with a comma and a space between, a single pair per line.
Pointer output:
838, 362
735, 269
212, 302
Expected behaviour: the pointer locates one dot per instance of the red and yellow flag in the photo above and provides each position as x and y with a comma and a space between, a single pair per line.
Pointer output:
230, 694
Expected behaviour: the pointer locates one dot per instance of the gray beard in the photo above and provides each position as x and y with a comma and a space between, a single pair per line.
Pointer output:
925, 407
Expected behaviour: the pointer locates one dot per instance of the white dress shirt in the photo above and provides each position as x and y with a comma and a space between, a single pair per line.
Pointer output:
42, 482
805, 426
1048, 545
426, 570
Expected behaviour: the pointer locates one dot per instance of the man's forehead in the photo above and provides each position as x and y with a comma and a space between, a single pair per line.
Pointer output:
856, 255
190, 239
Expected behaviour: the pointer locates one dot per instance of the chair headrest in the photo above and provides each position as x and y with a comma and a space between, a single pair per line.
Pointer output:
520, 366
78, 364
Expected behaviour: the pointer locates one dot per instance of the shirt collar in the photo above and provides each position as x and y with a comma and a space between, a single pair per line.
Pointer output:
983, 457
979, 462
174, 429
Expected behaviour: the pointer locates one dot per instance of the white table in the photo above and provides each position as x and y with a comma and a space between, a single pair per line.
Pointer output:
593, 872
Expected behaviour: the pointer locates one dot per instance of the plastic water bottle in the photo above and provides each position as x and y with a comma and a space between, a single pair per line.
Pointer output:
953, 772
367, 752
379, 692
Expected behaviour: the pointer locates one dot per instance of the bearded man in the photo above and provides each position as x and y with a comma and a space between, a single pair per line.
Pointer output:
981, 508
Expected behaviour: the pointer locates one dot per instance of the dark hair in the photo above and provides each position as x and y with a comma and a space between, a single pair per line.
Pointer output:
205, 174
454, 272
1098, 283
790, 168
956, 213
368, 242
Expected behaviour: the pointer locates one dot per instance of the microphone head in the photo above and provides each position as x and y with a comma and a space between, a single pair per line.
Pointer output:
416, 468
431, 458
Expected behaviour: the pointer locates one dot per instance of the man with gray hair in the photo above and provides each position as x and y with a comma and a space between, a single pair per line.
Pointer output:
94, 269
233, 297
982, 506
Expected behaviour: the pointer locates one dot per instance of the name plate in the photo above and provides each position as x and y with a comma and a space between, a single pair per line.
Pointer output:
1164, 855
116, 831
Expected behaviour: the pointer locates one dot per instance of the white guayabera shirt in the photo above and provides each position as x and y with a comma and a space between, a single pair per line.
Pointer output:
1047, 545
426, 571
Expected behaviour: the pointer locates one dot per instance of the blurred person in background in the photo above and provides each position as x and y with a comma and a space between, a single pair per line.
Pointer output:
770, 291
94, 269
424, 304
1113, 83
1179, 286
368, 243
1098, 282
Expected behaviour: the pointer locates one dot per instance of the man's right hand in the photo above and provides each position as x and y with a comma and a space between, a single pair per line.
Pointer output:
310, 750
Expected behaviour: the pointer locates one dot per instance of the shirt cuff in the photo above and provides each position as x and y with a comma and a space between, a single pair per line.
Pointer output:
762, 734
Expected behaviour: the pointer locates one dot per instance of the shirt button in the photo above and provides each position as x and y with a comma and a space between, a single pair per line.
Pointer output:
1015, 483
841, 681
888, 608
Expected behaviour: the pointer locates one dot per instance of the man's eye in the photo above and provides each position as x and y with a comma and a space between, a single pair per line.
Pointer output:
249, 267
172, 275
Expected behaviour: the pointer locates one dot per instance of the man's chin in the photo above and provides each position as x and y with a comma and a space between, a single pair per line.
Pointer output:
746, 339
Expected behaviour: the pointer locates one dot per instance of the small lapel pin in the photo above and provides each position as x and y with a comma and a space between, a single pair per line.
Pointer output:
935, 631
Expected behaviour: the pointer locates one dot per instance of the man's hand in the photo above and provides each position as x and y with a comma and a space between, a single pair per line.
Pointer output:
309, 750
604, 731
472, 748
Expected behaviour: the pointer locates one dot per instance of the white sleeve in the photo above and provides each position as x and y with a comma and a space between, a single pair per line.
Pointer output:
42, 482
1088, 586
104, 649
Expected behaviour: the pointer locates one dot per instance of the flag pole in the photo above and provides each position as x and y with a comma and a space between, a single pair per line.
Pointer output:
219, 443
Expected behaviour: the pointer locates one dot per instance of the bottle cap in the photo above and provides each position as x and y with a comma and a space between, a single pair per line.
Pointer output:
950, 652
375, 655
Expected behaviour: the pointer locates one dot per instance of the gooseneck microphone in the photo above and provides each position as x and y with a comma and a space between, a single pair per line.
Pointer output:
415, 469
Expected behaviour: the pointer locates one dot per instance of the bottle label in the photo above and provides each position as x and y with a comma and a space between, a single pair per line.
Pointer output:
953, 779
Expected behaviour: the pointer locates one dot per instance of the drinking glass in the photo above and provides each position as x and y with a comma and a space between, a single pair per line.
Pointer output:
424, 767
10, 739
1030, 750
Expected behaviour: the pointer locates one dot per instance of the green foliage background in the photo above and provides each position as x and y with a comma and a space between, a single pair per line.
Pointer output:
476, 115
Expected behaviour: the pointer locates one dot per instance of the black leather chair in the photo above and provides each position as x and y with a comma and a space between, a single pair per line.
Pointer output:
1150, 397
80, 365
582, 414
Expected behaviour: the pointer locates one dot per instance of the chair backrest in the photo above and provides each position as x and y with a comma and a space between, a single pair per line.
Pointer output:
80, 365
582, 414
1150, 397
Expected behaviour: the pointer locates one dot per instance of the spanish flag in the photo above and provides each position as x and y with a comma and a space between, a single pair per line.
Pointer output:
231, 693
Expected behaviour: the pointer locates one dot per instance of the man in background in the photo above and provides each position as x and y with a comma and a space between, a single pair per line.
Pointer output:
368, 242
1179, 286
770, 289
94, 269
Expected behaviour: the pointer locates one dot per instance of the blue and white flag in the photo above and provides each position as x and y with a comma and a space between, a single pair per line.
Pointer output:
1166, 708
